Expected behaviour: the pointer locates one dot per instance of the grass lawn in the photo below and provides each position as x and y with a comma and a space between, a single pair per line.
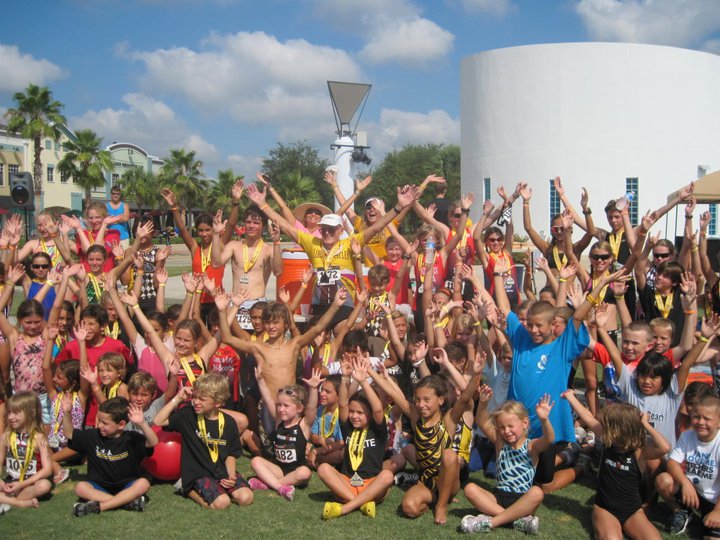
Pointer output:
565, 514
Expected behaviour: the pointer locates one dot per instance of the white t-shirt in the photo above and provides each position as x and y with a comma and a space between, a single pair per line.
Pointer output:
662, 407
702, 462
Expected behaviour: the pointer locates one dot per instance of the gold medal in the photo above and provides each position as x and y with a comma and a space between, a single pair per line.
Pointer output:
214, 449
29, 450
356, 481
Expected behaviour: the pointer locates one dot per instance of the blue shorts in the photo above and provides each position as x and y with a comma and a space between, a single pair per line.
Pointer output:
111, 491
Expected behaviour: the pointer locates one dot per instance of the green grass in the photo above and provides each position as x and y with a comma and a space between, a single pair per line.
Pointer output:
565, 514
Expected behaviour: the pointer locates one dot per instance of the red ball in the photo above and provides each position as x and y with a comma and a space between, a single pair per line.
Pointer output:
164, 464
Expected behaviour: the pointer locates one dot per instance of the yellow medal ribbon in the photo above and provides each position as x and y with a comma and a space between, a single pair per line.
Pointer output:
615, 240
52, 251
205, 259
214, 448
60, 342
376, 302
57, 421
247, 265
356, 448
29, 450
186, 367
113, 332
96, 286
601, 294
463, 239
331, 255
664, 304
326, 354
560, 260
328, 433
112, 391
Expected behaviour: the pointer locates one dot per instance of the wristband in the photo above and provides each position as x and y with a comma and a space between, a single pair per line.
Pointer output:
562, 280
388, 316
52, 236
593, 301
162, 284
276, 243
406, 256
264, 206
693, 249
688, 217
476, 324
703, 339
173, 208
689, 312
396, 209
526, 204
417, 364
136, 306
198, 292
120, 258
464, 210
140, 272
587, 212
50, 282
303, 285
235, 203
12, 247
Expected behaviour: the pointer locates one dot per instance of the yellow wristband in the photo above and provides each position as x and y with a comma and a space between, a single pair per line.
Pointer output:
388, 316
303, 285
50, 282
162, 284
476, 324
136, 306
140, 272
703, 339
198, 292
562, 280
693, 249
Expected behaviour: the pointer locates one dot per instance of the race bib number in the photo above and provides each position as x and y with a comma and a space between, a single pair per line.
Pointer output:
328, 277
13, 467
285, 455
243, 319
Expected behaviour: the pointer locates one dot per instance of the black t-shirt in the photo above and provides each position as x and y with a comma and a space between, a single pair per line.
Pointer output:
374, 452
652, 311
112, 462
442, 205
195, 461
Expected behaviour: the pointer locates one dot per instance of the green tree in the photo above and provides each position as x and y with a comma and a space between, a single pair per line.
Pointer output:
142, 187
294, 161
183, 173
297, 189
86, 162
36, 115
218, 195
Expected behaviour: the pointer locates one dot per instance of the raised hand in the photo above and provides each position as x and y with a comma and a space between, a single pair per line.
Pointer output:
584, 199
118, 251
431, 209
525, 191
502, 265
648, 220
169, 197
340, 296
219, 225
619, 288
503, 195
360, 185
557, 183
129, 299
467, 200
283, 295
355, 246
488, 207
255, 195
161, 274
361, 297
162, 254
208, 284
569, 271
222, 301
145, 231
239, 297
263, 179
274, 233
189, 282
690, 207
440, 357
602, 315
359, 367
135, 414
138, 261
237, 189
52, 331
90, 375
543, 407
407, 195
704, 221
15, 273
478, 363
173, 366
485, 394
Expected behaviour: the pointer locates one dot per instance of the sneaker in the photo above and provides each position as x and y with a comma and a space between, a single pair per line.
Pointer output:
137, 505
527, 524
475, 524
491, 470
570, 454
81, 509
4, 509
405, 479
678, 522
368, 509
256, 484
61, 476
177, 486
332, 510
287, 491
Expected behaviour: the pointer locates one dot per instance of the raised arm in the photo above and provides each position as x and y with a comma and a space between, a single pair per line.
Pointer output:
305, 339
535, 238
586, 417
361, 366
258, 197
178, 220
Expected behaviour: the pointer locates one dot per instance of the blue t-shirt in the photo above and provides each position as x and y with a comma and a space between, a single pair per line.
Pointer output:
544, 369
316, 427
121, 227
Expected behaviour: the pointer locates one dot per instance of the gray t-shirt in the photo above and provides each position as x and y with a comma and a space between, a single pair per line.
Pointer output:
149, 414
662, 407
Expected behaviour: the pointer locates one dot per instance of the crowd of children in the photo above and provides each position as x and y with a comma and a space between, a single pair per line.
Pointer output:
413, 367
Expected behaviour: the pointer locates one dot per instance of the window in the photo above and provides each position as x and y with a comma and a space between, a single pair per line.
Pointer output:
632, 184
487, 188
712, 227
115, 178
63, 178
48, 144
13, 168
2, 174
50, 174
554, 201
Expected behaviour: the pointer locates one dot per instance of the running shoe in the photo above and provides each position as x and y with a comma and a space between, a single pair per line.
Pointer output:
81, 509
405, 479
4, 509
678, 521
287, 491
527, 524
475, 524
137, 505
256, 484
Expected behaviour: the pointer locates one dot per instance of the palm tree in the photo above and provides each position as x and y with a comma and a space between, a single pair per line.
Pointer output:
297, 189
141, 186
36, 115
219, 195
183, 173
86, 162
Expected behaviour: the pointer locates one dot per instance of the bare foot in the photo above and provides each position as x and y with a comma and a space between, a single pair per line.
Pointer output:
440, 515
27, 503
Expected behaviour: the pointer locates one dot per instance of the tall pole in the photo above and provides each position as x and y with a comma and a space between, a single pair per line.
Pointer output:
343, 150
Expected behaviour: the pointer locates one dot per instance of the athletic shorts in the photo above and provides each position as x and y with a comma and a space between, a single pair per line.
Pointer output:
210, 488
506, 498
545, 471
113, 491
357, 490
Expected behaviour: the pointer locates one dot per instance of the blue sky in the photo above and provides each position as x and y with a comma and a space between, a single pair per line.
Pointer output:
231, 78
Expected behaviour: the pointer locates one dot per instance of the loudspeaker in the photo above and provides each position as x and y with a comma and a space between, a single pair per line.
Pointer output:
21, 188
713, 250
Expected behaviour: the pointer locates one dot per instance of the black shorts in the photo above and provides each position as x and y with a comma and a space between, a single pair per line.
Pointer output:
705, 508
620, 509
506, 498
210, 488
545, 471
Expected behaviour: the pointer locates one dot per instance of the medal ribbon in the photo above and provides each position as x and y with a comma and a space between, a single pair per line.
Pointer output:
560, 260
205, 259
601, 294
96, 286
112, 391
57, 407
52, 251
331, 255
356, 448
214, 448
113, 332
615, 240
29, 450
326, 354
664, 305
247, 265
186, 367
327, 434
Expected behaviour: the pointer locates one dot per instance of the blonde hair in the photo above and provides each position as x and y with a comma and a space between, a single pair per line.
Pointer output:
463, 322
622, 427
514, 408
296, 392
98, 206
115, 361
212, 385
27, 402
426, 230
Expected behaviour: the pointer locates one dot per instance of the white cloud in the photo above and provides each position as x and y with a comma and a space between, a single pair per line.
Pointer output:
397, 128
493, 7
150, 124
251, 76
413, 42
663, 22
19, 69
711, 46
394, 30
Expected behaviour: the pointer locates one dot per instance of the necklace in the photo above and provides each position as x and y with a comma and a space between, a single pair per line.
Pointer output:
214, 448
356, 448
328, 433
277, 347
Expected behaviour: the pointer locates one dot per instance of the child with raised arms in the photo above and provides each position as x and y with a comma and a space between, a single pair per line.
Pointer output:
211, 444
361, 481
433, 427
629, 441
514, 498
25, 451
114, 479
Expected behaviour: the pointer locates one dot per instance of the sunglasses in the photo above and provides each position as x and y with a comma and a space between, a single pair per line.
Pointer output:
314, 211
597, 257
494, 239
457, 215
287, 391
661, 255
41, 266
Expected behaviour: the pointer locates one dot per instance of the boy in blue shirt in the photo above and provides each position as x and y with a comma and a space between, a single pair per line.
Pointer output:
541, 364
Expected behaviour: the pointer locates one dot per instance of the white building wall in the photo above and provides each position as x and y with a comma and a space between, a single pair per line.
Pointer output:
593, 114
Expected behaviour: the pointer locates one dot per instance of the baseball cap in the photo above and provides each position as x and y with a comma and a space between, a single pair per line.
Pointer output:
331, 220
